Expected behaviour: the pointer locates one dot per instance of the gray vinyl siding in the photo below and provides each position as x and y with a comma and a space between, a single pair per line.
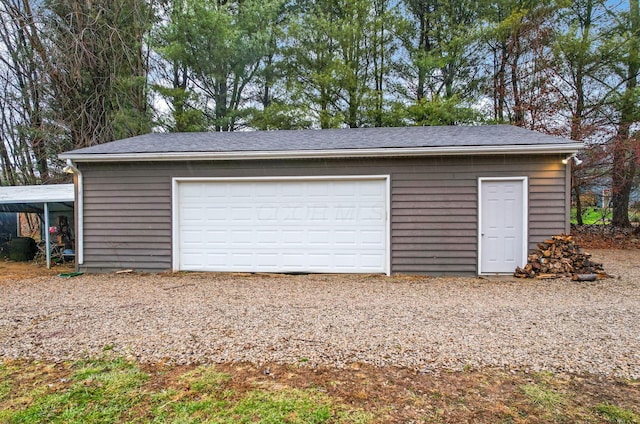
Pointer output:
434, 215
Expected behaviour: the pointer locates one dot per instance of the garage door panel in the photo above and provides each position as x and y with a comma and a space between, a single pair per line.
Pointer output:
244, 214
345, 238
371, 238
371, 260
268, 260
191, 191
210, 258
192, 237
317, 238
343, 190
319, 259
371, 191
373, 214
293, 261
346, 260
193, 213
211, 214
193, 257
267, 213
241, 238
214, 237
318, 214
317, 192
293, 237
282, 225
267, 238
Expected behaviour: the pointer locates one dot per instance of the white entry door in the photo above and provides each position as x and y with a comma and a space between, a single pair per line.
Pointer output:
503, 225
332, 225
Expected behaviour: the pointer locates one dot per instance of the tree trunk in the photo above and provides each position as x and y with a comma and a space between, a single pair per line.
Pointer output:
625, 147
576, 193
222, 123
624, 170
7, 166
378, 67
500, 84
518, 108
421, 71
325, 118
268, 81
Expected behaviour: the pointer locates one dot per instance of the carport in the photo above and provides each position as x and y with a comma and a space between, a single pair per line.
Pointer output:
43, 200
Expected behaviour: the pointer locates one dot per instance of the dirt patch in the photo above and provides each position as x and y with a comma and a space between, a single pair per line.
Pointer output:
401, 395
606, 237
11, 271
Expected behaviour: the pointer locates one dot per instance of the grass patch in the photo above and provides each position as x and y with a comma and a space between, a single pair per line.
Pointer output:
615, 414
592, 215
108, 391
260, 406
543, 396
206, 395
198, 395
204, 380
289, 405
5, 387
99, 391
601, 216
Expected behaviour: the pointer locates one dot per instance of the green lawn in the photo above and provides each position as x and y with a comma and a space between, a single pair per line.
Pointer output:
594, 215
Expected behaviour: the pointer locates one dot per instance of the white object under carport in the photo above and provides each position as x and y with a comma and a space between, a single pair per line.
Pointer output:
38, 199
337, 224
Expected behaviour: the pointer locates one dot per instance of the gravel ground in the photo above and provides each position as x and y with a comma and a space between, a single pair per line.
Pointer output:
418, 322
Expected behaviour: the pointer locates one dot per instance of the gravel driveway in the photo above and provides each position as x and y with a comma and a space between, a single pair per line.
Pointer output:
419, 322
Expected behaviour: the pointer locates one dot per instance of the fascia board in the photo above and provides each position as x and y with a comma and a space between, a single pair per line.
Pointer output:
324, 154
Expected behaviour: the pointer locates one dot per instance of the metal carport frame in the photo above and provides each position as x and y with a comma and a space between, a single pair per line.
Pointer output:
42, 199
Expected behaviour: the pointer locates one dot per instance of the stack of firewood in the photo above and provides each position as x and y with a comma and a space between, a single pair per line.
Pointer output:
560, 257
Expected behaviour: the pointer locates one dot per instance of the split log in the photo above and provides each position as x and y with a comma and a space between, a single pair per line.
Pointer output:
584, 277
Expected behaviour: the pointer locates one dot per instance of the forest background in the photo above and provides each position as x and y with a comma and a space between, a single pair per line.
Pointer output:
76, 73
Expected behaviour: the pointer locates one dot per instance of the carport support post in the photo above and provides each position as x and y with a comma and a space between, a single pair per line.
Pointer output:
47, 246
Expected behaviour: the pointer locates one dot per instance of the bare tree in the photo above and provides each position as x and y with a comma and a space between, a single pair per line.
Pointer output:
26, 143
74, 74
97, 65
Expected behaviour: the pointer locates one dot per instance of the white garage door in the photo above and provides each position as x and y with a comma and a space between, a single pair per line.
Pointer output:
283, 225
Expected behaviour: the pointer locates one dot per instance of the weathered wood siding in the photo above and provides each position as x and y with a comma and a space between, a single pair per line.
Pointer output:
127, 206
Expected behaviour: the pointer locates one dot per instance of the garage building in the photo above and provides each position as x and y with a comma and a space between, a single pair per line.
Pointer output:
433, 200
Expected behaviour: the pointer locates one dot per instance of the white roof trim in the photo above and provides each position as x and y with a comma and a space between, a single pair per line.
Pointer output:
318, 154
56, 193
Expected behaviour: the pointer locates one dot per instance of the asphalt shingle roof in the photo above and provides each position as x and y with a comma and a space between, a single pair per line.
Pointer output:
333, 139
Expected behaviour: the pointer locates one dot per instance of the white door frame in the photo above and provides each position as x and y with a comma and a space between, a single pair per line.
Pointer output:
525, 217
175, 209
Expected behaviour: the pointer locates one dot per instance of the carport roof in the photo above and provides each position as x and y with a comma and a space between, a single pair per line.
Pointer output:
349, 142
60, 197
